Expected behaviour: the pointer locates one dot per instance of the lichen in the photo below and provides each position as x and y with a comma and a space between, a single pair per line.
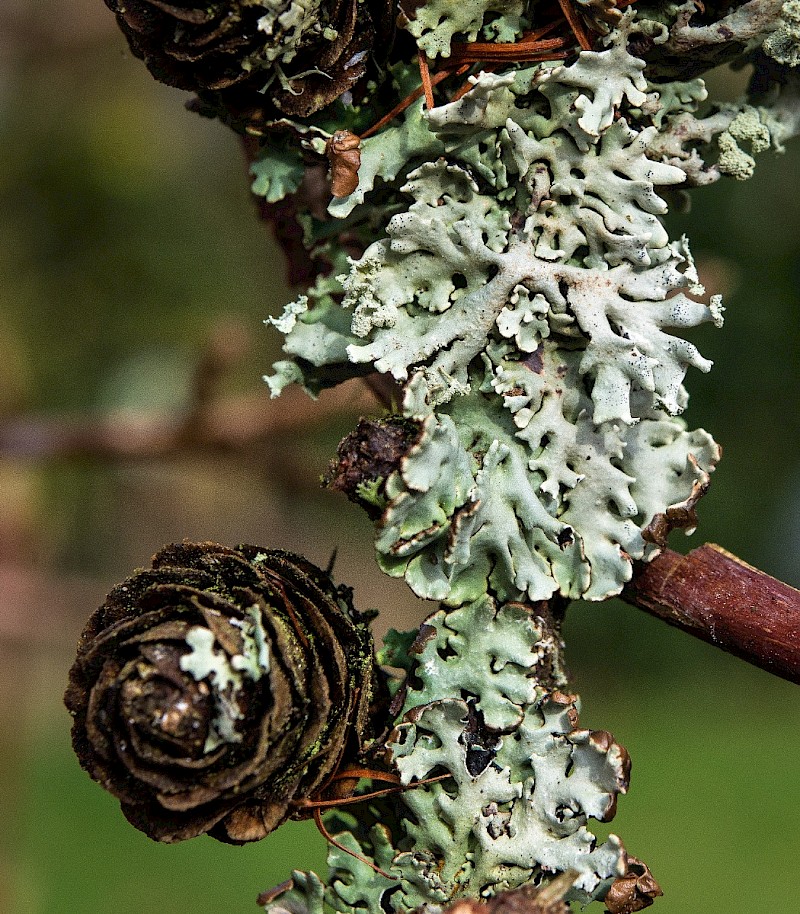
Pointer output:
524, 779
527, 296
286, 25
520, 285
512, 811
455, 647
783, 45
276, 173
537, 498
435, 23
224, 673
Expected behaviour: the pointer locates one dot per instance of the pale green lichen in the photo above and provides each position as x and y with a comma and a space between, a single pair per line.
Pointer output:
748, 126
524, 779
733, 160
225, 673
527, 296
512, 811
525, 293
783, 45
287, 25
355, 886
317, 333
537, 498
276, 173
435, 23
371, 493
707, 147
456, 647
517, 280
432, 294
303, 894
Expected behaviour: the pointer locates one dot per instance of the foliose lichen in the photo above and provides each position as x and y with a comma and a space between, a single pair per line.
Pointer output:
437, 22
783, 45
514, 276
523, 781
527, 296
502, 257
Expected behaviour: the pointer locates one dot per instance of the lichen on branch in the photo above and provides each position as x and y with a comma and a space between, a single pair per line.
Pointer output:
524, 778
495, 247
524, 293
527, 296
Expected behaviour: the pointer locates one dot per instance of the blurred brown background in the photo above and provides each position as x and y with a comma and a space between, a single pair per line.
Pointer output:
134, 277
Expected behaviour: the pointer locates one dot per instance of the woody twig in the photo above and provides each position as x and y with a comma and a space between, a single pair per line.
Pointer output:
722, 600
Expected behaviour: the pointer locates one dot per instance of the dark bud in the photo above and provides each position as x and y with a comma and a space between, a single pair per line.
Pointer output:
270, 57
217, 688
367, 457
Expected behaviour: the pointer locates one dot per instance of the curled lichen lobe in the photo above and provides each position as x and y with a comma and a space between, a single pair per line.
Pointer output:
634, 891
215, 690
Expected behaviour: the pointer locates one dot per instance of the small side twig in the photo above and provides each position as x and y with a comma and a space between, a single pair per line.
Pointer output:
228, 424
722, 600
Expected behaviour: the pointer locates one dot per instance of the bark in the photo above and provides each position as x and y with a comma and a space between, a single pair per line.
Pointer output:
722, 600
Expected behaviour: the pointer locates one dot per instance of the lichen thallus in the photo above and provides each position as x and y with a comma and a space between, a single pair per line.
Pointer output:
355, 774
343, 152
343, 148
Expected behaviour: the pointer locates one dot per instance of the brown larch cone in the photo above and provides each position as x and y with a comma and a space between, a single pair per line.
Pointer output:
213, 690
294, 58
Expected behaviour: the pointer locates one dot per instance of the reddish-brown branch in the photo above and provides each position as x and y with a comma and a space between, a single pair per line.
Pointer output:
576, 24
720, 599
522, 51
425, 76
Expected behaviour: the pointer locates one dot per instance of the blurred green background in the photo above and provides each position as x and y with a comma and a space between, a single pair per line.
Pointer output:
128, 247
